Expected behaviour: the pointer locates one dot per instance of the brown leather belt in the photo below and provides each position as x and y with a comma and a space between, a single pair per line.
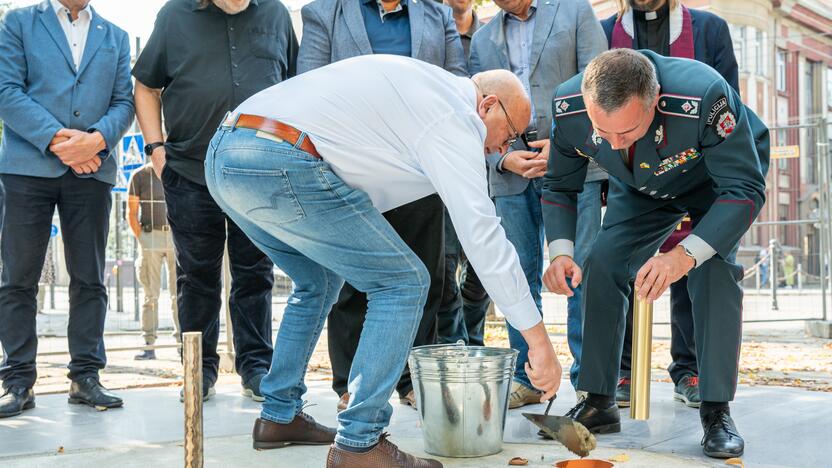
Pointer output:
273, 127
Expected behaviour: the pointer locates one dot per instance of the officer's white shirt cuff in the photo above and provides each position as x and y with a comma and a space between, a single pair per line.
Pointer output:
701, 250
560, 247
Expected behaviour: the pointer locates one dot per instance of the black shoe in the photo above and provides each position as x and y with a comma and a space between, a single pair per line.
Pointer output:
721, 439
597, 421
687, 391
146, 355
622, 392
88, 391
15, 400
251, 389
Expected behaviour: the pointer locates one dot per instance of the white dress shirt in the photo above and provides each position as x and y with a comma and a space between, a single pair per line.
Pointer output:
75, 31
401, 129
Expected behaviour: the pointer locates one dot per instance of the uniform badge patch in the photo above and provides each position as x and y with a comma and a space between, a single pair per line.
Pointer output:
676, 160
568, 105
595, 138
659, 134
644, 165
725, 124
719, 105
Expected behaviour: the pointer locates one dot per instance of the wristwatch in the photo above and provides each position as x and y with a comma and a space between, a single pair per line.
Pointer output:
149, 148
689, 254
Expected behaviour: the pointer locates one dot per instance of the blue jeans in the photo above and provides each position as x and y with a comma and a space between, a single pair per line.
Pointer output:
320, 231
522, 219
589, 223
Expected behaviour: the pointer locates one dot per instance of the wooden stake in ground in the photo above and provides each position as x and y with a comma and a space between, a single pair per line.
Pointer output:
192, 366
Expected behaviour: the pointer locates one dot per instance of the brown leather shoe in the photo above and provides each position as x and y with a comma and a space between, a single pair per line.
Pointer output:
384, 455
303, 430
409, 399
343, 402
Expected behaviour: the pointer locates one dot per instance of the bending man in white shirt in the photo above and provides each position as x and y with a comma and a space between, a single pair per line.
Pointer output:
306, 167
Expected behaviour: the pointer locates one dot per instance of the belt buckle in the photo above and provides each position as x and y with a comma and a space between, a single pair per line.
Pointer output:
230, 119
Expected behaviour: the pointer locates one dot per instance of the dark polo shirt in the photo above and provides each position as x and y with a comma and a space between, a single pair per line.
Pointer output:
207, 63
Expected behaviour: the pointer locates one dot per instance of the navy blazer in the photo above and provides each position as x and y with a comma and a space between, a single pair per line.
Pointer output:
711, 43
42, 92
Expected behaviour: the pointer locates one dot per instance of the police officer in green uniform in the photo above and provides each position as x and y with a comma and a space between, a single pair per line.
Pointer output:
675, 139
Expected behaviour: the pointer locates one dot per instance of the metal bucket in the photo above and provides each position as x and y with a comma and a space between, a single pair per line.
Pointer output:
462, 394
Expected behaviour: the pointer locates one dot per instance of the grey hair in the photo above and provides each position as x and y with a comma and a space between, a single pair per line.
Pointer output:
617, 75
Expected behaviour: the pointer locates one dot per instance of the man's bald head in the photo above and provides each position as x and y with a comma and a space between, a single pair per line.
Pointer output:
501, 87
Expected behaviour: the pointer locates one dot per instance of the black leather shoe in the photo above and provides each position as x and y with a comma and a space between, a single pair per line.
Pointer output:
88, 391
15, 400
597, 421
721, 438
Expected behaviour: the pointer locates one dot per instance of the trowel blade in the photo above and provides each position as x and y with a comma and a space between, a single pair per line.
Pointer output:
573, 435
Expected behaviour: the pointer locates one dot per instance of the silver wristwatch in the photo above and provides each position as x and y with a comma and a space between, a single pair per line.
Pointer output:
689, 254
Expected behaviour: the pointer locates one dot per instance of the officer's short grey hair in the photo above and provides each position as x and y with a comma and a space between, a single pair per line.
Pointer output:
617, 75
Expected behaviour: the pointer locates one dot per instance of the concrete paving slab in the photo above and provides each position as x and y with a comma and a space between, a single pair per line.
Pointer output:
782, 427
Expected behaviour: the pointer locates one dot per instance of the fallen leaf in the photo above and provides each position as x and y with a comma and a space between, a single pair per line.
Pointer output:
61, 449
620, 458
735, 461
518, 461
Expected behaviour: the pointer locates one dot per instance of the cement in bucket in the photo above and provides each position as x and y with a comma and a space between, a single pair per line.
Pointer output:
462, 395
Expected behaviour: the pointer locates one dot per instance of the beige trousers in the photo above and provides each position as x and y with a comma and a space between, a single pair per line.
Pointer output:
156, 249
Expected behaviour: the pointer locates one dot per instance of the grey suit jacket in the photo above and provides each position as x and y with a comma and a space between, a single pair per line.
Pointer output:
334, 30
566, 37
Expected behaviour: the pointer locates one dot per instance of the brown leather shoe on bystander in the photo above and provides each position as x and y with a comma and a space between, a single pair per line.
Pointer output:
303, 430
384, 455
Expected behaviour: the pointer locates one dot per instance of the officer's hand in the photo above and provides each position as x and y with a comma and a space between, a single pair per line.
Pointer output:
158, 159
87, 167
543, 369
524, 163
660, 272
555, 277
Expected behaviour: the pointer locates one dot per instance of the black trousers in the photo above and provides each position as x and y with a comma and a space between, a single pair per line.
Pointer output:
612, 264
421, 225
199, 229
682, 341
28, 204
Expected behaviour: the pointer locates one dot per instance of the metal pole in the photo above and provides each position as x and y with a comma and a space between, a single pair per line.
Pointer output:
823, 214
772, 272
642, 354
757, 277
192, 363
826, 156
119, 288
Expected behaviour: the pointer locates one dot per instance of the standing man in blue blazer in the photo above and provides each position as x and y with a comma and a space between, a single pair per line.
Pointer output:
335, 30
66, 101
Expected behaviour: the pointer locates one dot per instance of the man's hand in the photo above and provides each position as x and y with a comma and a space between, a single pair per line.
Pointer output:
543, 369
157, 158
661, 271
555, 277
525, 163
87, 167
79, 147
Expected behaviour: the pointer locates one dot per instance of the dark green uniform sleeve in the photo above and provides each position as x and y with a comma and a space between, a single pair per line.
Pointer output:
563, 181
735, 150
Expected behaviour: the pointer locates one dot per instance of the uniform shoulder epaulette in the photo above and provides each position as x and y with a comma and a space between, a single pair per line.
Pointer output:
680, 106
569, 105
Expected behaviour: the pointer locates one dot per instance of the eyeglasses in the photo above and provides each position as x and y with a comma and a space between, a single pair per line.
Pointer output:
512, 139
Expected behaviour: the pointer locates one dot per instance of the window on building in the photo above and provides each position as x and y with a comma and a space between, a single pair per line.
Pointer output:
759, 50
738, 39
829, 87
781, 70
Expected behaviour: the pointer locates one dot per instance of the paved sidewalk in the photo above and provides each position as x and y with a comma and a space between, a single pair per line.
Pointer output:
782, 427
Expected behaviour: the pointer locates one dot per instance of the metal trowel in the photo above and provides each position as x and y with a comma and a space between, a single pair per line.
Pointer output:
573, 435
